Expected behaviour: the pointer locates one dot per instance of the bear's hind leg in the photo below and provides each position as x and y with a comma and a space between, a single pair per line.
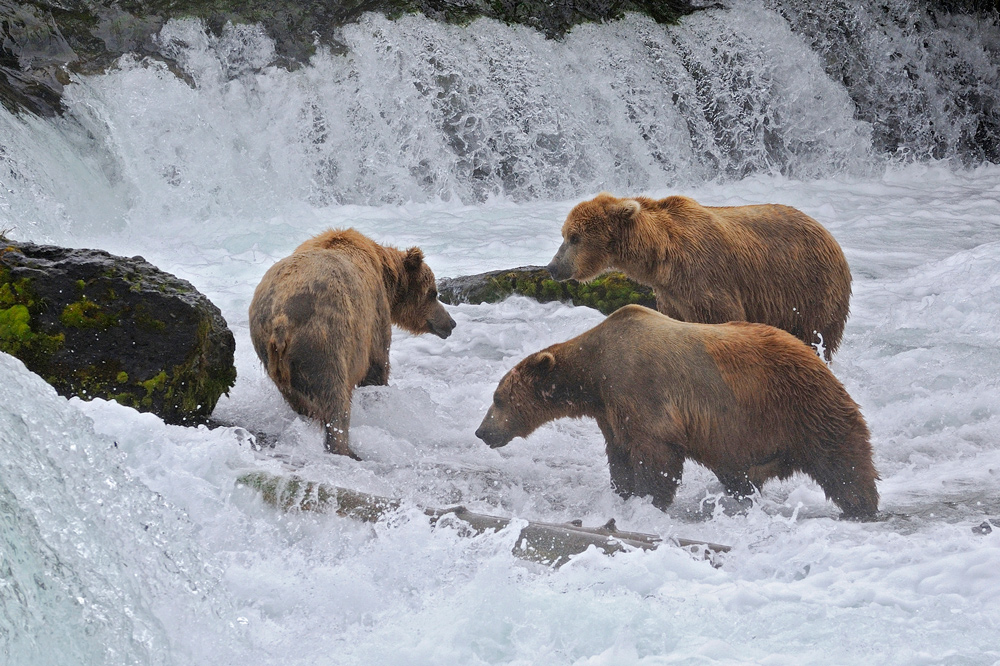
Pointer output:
337, 424
336, 438
378, 362
852, 489
847, 476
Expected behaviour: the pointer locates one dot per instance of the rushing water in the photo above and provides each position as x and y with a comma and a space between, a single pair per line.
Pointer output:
124, 540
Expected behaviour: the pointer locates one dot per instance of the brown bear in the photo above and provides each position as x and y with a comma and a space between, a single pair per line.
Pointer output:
768, 264
321, 321
747, 401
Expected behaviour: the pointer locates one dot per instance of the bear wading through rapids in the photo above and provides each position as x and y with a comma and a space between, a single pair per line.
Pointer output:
748, 401
769, 264
321, 322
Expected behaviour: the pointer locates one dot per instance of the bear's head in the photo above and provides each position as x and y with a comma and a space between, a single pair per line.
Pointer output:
592, 237
417, 308
526, 398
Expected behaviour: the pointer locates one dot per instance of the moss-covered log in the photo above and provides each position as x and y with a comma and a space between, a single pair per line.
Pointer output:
95, 325
606, 293
549, 543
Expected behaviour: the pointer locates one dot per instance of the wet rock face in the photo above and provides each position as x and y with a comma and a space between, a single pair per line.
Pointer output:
96, 325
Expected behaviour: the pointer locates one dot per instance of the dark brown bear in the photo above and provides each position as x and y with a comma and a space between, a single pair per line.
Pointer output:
768, 264
321, 321
747, 401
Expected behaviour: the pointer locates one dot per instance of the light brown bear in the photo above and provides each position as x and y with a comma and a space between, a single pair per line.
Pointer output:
769, 264
321, 321
747, 401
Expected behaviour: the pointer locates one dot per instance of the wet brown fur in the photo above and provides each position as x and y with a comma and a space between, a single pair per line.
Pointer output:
321, 321
747, 401
769, 264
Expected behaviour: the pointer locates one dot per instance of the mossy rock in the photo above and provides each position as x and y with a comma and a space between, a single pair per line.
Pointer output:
96, 325
606, 293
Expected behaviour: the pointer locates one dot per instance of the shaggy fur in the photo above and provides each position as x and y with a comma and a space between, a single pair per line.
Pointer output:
747, 401
768, 264
321, 321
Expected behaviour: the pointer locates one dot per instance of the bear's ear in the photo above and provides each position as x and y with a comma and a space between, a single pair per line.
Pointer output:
414, 257
543, 361
623, 209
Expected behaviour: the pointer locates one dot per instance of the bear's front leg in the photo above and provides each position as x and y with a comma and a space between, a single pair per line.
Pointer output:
738, 484
719, 307
657, 469
622, 476
377, 375
644, 466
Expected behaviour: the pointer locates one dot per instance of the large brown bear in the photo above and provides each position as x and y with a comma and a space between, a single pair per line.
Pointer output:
768, 264
321, 321
747, 401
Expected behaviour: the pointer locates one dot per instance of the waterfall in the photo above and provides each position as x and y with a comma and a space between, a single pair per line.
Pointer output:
417, 110
929, 83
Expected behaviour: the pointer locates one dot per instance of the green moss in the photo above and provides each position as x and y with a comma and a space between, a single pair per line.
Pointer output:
152, 386
87, 314
606, 293
18, 338
122, 377
198, 396
15, 292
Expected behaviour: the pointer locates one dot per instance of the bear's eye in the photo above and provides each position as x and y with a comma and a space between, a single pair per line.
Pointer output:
432, 294
574, 239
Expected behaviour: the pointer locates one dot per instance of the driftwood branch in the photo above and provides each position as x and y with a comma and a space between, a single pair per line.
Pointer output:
549, 543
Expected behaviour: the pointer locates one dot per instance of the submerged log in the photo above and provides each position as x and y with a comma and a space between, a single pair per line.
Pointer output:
549, 543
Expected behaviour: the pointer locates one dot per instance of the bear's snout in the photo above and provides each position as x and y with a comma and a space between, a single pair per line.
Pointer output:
558, 272
493, 437
441, 324
560, 268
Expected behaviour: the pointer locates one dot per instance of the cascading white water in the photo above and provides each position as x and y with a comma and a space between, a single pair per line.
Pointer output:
418, 110
927, 81
95, 569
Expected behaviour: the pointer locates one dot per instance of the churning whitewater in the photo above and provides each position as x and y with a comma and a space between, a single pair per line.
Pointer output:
127, 541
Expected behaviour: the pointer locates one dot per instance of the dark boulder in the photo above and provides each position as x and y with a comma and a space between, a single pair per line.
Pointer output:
96, 325
605, 293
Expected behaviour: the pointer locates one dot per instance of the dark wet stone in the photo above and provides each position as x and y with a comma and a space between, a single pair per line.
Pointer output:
96, 325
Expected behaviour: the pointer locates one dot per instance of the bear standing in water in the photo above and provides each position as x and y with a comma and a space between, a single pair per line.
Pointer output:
768, 264
747, 401
321, 321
